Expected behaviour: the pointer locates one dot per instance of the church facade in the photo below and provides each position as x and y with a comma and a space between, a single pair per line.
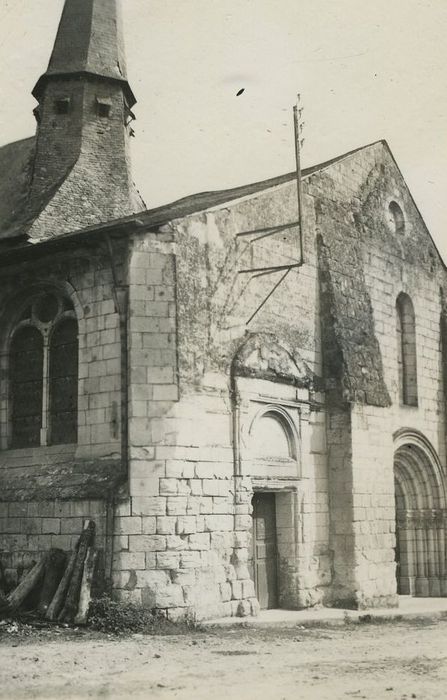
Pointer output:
232, 459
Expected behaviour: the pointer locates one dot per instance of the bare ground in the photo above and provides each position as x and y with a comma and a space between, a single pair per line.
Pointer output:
391, 660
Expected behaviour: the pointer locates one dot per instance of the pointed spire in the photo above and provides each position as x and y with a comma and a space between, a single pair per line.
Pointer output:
81, 173
89, 42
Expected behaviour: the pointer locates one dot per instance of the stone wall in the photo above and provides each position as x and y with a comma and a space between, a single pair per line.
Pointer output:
361, 451
46, 492
189, 311
27, 529
182, 521
183, 538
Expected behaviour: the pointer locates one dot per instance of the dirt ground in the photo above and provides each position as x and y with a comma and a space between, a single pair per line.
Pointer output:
392, 660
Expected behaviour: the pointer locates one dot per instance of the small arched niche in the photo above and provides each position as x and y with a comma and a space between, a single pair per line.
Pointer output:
396, 219
274, 442
271, 438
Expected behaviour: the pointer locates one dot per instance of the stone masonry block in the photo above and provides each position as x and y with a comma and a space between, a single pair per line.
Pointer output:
184, 577
196, 487
221, 506
168, 487
186, 525
128, 526
166, 525
170, 597
178, 469
61, 542
154, 578
244, 608
189, 560
123, 509
51, 526
72, 526
239, 556
236, 590
225, 486
161, 375
193, 505
184, 488
168, 560
148, 506
242, 522
149, 525
142, 453
147, 543
209, 559
144, 487
144, 469
165, 392
11, 525
225, 592
123, 579
177, 505
216, 523
17, 510
241, 538
200, 541
205, 470
151, 560
42, 510
120, 543
210, 487
206, 505
176, 543
130, 560
248, 589
222, 541
242, 572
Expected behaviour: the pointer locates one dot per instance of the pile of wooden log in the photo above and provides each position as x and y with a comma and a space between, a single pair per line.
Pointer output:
61, 586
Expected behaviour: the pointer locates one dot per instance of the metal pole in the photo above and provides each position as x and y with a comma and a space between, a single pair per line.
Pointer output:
298, 175
269, 295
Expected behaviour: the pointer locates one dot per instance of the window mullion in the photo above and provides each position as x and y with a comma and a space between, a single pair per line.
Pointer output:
44, 432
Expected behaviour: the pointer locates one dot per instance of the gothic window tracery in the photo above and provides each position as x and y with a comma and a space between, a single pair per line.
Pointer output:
43, 374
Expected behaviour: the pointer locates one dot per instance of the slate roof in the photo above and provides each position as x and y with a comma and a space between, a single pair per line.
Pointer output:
15, 174
89, 41
206, 200
13, 189
92, 479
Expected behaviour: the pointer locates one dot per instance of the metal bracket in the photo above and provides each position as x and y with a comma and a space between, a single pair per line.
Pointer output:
259, 234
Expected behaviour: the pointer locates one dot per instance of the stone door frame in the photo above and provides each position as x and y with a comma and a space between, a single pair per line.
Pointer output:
421, 516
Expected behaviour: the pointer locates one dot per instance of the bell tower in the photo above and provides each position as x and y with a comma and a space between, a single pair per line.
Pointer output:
81, 172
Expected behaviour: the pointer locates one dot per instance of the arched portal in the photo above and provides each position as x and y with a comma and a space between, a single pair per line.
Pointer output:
420, 517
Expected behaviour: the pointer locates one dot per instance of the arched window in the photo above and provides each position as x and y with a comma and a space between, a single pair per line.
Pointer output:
43, 375
406, 350
396, 219
64, 382
26, 386
272, 438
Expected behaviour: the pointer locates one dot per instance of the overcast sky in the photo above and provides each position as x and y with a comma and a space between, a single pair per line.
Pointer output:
366, 71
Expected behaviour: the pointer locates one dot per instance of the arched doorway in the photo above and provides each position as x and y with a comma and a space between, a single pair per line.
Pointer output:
420, 517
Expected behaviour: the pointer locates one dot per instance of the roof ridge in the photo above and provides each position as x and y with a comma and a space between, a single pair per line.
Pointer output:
18, 141
260, 185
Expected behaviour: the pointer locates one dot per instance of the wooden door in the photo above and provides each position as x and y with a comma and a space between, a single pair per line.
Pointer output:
265, 551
